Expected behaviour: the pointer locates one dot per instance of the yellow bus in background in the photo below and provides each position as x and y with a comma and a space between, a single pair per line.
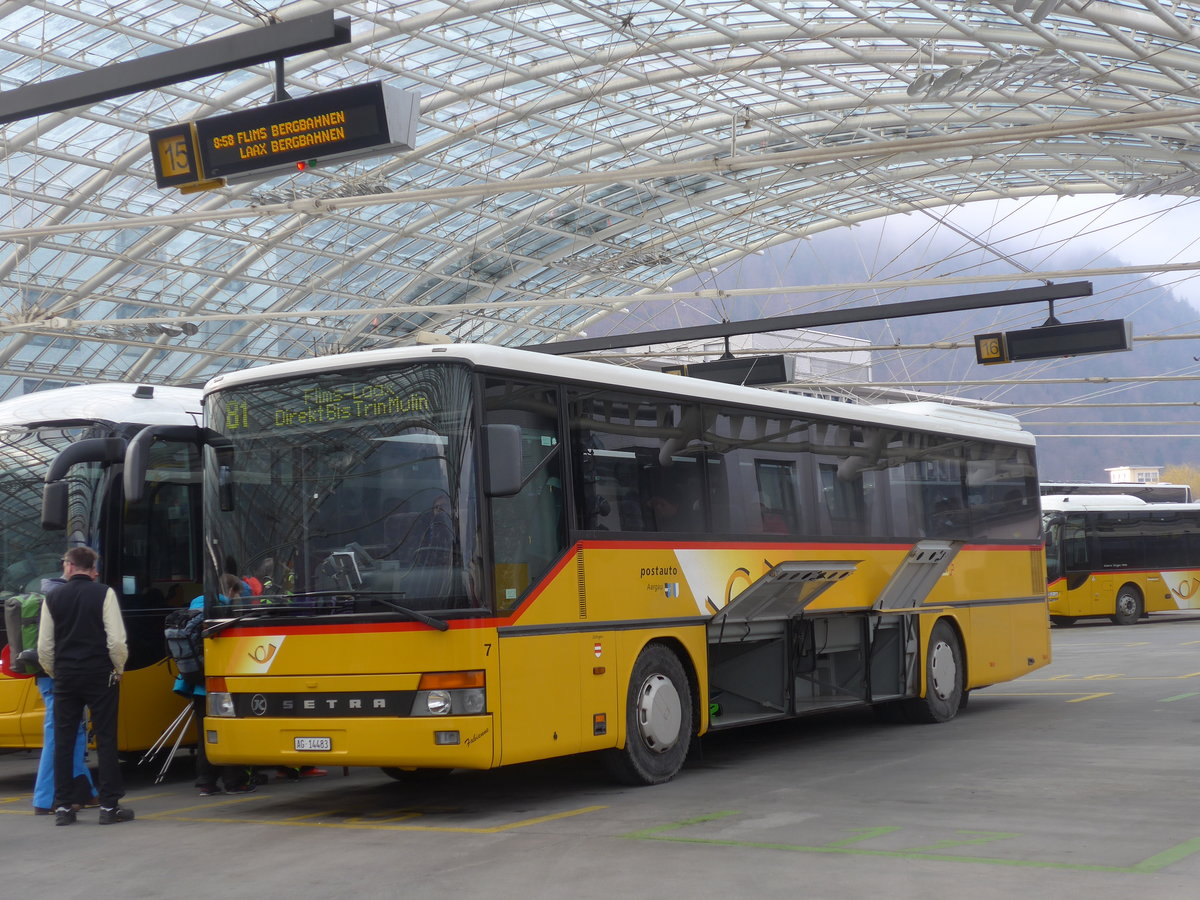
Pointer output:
60, 461
481, 556
1120, 557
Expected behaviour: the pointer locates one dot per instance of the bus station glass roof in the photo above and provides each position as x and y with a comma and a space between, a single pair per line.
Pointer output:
572, 158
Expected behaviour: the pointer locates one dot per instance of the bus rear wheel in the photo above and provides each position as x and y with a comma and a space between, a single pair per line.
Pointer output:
1129, 606
658, 720
945, 677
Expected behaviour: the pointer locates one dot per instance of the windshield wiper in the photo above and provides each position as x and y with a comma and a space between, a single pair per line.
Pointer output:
413, 614
291, 607
259, 613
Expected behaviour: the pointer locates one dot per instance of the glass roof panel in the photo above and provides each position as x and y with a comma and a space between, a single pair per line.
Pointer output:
563, 150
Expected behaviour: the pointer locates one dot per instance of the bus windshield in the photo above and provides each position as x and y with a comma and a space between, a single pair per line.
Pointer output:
29, 554
345, 492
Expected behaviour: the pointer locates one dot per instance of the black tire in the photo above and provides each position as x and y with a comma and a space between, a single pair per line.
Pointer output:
1129, 606
945, 677
1063, 621
658, 720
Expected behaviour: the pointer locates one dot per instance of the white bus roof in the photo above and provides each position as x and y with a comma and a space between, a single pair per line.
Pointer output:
114, 402
1109, 502
923, 416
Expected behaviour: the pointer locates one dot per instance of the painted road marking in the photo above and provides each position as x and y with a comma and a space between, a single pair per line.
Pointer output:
1149, 865
1180, 697
387, 823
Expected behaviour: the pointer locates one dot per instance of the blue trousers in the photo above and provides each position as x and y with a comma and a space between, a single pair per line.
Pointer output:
43, 789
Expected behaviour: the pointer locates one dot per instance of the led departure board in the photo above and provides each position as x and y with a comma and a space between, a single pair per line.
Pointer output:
318, 406
351, 123
1050, 341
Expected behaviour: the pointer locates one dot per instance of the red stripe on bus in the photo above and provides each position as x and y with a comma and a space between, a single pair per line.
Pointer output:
499, 621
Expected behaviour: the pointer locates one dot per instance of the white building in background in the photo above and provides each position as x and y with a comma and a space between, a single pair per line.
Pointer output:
1134, 474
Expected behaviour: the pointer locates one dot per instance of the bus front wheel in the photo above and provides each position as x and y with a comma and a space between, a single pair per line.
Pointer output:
658, 720
1129, 606
945, 678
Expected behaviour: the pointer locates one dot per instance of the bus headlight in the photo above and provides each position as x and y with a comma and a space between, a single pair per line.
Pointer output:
438, 703
450, 694
220, 704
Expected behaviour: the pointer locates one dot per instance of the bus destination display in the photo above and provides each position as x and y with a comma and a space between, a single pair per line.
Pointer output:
323, 406
354, 122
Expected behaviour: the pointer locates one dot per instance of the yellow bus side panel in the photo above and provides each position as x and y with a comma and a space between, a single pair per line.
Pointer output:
558, 671
1097, 596
20, 713
147, 707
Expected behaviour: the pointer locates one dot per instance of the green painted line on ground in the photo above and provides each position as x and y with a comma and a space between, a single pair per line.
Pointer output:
1179, 697
1149, 865
1169, 856
864, 834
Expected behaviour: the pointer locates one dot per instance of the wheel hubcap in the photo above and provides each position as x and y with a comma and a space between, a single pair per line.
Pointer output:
1125, 605
943, 670
660, 714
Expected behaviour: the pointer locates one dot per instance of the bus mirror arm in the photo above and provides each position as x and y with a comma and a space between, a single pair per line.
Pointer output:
54, 492
137, 454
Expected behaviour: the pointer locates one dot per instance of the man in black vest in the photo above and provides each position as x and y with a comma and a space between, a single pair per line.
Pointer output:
81, 645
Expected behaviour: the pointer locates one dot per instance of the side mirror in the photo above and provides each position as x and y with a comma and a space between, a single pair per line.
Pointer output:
54, 493
137, 455
54, 506
502, 455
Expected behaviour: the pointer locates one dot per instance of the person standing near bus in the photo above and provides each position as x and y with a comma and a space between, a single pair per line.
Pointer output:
82, 646
211, 780
43, 788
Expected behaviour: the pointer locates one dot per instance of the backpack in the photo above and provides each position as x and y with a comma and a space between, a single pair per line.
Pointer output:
22, 614
183, 629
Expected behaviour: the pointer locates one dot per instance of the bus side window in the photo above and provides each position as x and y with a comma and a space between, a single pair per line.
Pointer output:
639, 463
529, 528
763, 462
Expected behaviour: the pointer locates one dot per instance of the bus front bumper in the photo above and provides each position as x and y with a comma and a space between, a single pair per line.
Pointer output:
443, 742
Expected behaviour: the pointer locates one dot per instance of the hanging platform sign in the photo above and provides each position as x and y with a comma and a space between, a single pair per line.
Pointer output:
255, 144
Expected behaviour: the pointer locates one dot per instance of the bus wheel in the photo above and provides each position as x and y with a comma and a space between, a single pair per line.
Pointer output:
1062, 621
944, 678
1129, 606
658, 720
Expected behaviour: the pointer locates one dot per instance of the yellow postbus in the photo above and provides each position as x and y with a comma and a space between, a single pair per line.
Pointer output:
1119, 557
477, 556
60, 461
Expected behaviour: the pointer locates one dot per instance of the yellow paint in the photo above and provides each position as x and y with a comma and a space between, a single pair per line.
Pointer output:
1096, 595
562, 662
147, 707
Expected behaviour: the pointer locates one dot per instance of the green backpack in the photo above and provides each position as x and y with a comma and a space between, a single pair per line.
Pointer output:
22, 613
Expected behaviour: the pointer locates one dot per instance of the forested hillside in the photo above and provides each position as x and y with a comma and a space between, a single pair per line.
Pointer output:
860, 254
